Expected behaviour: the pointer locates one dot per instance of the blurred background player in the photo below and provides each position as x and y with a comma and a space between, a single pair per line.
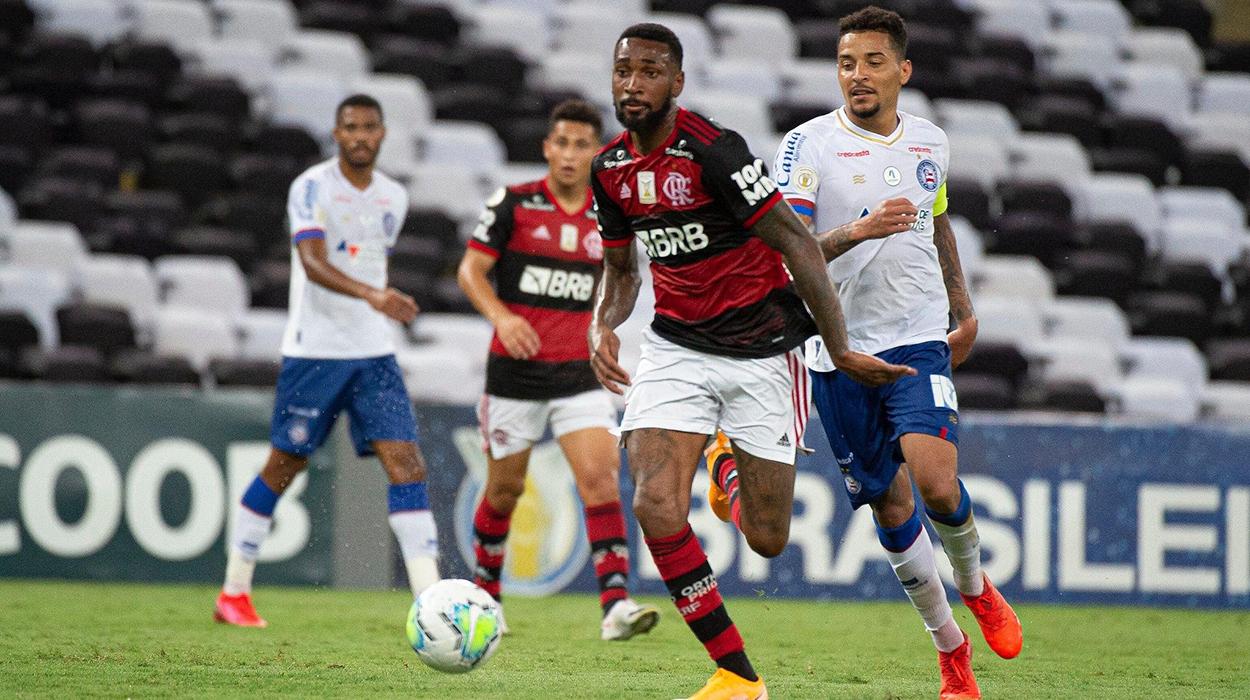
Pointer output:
724, 345
898, 272
337, 353
540, 239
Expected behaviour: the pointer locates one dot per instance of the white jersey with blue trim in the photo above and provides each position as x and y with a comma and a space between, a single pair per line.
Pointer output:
359, 227
891, 289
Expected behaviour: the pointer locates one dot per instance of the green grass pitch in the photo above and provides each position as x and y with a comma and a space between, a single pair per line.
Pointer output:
62, 640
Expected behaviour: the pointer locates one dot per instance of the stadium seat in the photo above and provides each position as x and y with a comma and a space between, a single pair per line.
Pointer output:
1087, 318
1146, 133
197, 335
1132, 161
203, 129
101, 21
698, 45
760, 34
1042, 236
1027, 21
259, 214
62, 199
984, 392
18, 332
1225, 92
8, 213
1177, 358
191, 171
1090, 360
47, 245
326, 52
1226, 131
1008, 320
1210, 203
449, 187
1173, 314
69, 364
25, 121
215, 94
1229, 359
1166, 45
968, 199
1033, 197
591, 28
355, 18
497, 68
260, 334
1123, 198
1218, 168
523, 139
1157, 398
1227, 401
16, 164
811, 81
997, 359
232, 372
237, 245
157, 58
307, 99
1105, 18
202, 283
427, 61
915, 103
745, 114
520, 28
177, 22
969, 243
1195, 278
106, 328
1015, 276
138, 367
139, 222
126, 127
573, 69
266, 21
1150, 88
463, 144
37, 293
94, 164
1097, 273
977, 118
269, 284
1209, 241
249, 62
1085, 56
125, 282
291, 141
1070, 396
983, 160
744, 76
1056, 157
1063, 115
404, 99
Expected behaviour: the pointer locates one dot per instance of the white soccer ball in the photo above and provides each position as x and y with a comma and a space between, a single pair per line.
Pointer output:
454, 626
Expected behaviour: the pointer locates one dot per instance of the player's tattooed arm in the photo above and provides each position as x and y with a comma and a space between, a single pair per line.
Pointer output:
965, 333
614, 302
783, 231
888, 218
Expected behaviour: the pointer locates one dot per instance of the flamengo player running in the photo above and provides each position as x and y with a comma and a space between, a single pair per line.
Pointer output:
722, 349
541, 240
337, 354
898, 270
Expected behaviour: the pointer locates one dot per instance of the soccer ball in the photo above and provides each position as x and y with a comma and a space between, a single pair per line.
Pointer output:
454, 626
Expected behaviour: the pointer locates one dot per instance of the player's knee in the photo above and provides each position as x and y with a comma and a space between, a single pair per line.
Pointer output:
503, 494
942, 496
599, 488
769, 541
657, 511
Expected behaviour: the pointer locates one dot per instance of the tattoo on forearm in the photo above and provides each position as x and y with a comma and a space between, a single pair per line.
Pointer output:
952, 271
618, 290
836, 241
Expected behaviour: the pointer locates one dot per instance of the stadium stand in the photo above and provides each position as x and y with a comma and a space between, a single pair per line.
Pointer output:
1099, 184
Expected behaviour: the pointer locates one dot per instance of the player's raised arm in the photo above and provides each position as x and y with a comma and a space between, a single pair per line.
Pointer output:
965, 333
614, 302
781, 230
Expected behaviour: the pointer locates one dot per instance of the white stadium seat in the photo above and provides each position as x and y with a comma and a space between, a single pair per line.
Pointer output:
1224, 131
985, 160
270, 21
1157, 90
1009, 320
48, 245
38, 293
404, 99
1057, 158
1090, 318
1177, 358
697, 45
450, 187
746, 114
746, 77
1227, 401
100, 21
1225, 92
592, 28
971, 247
1166, 45
198, 335
202, 282
575, 69
1015, 276
178, 23
1156, 399
761, 34
249, 62
1106, 18
471, 145
1028, 21
307, 99
516, 173
1090, 56
916, 103
1081, 359
1202, 240
811, 81
8, 213
1124, 198
977, 118
1215, 203
260, 334
398, 155
328, 52
522, 29
124, 281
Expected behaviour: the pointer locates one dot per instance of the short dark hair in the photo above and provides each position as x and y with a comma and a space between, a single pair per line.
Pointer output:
576, 110
654, 32
357, 100
875, 19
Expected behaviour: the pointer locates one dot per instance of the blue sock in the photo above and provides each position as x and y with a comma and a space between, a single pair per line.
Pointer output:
961, 514
898, 539
259, 498
411, 496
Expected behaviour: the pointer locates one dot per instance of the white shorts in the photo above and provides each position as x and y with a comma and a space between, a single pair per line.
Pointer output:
510, 426
762, 405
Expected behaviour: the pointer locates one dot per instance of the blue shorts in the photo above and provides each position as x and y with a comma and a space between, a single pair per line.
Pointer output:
864, 424
312, 392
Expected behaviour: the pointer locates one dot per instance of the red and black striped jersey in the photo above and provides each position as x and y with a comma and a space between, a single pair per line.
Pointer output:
548, 263
718, 288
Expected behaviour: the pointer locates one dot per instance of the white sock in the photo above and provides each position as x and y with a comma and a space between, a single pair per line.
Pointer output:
916, 569
418, 543
250, 531
963, 548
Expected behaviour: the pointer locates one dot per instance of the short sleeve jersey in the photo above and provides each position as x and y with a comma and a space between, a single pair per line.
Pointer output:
549, 260
891, 289
359, 227
691, 202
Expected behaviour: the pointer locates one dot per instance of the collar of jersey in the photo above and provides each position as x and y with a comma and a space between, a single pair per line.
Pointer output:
342, 180
872, 136
552, 196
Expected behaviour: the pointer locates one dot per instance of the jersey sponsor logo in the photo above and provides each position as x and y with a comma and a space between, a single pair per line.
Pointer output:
854, 154
805, 179
753, 182
537, 203
593, 244
892, 176
616, 160
919, 149
666, 241
679, 150
858, 180
557, 284
677, 189
927, 175
789, 154
943, 392
309, 201
646, 187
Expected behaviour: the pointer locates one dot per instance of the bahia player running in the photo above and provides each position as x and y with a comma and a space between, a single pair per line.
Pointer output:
337, 354
541, 240
723, 347
898, 271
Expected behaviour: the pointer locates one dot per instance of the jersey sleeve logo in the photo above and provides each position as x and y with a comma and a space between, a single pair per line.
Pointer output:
753, 183
677, 189
927, 175
805, 179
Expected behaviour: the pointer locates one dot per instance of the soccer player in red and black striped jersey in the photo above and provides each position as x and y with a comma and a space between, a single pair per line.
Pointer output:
541, 240
724, 347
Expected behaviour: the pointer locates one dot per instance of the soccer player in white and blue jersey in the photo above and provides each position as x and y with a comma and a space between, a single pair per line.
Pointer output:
337, 353
897, 271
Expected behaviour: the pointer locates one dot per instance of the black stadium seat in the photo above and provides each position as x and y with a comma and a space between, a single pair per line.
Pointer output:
1001, 360
427, 22
428, 61
205, 129
787, 115
96, 164
16, 19
1025, 196
16, 164
1074, 396
523, 139
1189, 278
264, 173
61, 199
1229, 359
284, 140
1097, 273
1169, 314
228, 372
104, 328
140, 367
214, 94
433, 223
261, 215
122, 125
17, 332
1078, 88
69, 363
1119, 237
269, 283
818, 38
131, 85
495, 66
140, 222
968, 199
240, 246
984, 391
193, 172
1037, 234
422, 254
353, 17
1010, 49
26, 121
1224, 169
1065, 115
1137, 161
158, 59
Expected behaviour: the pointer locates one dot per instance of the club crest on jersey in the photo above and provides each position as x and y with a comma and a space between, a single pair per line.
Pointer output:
677, 189
593, 243
927, 175
646, 187
388, 224
892, 176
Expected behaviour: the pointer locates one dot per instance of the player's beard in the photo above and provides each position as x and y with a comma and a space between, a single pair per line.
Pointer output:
646, 122
867, 113
360, 158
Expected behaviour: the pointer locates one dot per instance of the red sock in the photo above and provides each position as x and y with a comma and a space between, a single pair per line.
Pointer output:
692, 586
605, 527
490, 530
726, 472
